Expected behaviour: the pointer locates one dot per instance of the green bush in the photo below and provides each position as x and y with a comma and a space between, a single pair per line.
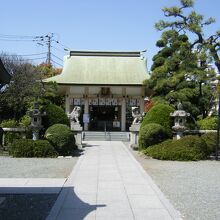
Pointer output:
25, 121
43, 148
10, 136
187, 148
211, 141
62, 138
160, 114
151, 134
209, 123
21, 148
10, 123
55, 115
31, 148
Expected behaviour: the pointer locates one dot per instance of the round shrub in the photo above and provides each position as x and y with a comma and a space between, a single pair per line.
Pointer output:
160, 114
211, 141
209, 123
187, 148
55, 115
43, 148
62, 138
21, 148
151, 134
31, 148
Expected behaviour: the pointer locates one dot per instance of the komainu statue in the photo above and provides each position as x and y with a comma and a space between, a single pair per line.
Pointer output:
136, 115
74, 115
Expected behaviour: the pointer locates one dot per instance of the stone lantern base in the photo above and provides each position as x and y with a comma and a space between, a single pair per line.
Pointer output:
77, 131
134, 134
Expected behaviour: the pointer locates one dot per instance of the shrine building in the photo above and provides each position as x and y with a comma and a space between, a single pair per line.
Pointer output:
106, 85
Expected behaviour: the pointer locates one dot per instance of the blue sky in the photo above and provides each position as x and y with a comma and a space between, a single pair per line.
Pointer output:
121, 25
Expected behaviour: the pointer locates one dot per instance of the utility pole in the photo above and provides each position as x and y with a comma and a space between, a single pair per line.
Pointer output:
217, 142
49, 39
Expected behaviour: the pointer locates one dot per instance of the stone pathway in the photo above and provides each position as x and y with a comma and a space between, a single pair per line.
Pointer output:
108, 183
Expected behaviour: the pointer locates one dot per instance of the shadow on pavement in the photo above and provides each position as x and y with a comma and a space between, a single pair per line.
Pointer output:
24, 203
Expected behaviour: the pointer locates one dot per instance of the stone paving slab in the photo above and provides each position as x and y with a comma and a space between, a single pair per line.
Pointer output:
108, 183
31, 185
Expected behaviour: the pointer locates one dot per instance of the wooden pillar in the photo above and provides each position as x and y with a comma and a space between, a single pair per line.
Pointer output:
86, 111
67, 104
123, 114
141, 105
86, 106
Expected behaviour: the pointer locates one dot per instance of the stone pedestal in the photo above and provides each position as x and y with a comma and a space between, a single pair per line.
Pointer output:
77, 130
134, 134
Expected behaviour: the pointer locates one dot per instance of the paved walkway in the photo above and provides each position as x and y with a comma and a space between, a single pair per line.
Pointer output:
108, 183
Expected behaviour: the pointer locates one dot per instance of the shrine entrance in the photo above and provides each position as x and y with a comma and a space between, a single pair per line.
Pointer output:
105, 118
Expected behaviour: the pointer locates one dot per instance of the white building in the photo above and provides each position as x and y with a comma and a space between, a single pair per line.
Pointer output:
106, 85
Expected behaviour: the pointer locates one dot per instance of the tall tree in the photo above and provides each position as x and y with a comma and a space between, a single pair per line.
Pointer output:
195, 24
23, 86
180, 71
26, 84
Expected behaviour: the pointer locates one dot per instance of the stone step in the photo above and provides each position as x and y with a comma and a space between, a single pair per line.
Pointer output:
106, 136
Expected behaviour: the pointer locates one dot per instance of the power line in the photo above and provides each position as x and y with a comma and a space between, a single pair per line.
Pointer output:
39, 58
43, 40
23, 55
17, 36
57, 57
56, 63
16, 40
65, 47
58, 49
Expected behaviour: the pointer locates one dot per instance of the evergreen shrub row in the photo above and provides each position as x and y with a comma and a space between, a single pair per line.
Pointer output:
31, 148
187, 148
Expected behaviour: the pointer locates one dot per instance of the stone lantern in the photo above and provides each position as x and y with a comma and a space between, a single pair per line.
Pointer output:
135, 127
179, 120
36, 120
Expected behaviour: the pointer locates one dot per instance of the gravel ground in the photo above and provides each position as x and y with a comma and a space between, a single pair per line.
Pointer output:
31, 206
192, 187
36, 167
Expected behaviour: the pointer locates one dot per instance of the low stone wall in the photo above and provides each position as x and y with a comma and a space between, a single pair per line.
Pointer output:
16, 130
199, 131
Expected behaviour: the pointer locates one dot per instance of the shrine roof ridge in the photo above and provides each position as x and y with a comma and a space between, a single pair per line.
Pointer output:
107, 53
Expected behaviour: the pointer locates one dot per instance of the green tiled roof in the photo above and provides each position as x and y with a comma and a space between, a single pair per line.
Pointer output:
105, 68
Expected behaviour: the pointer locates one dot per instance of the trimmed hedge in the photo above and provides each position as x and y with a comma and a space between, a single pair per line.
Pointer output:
209, 123
10, 123
187, 148
160, 114
55, 115
31, 148
62, 138
211, 141
42, 148
151, 134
